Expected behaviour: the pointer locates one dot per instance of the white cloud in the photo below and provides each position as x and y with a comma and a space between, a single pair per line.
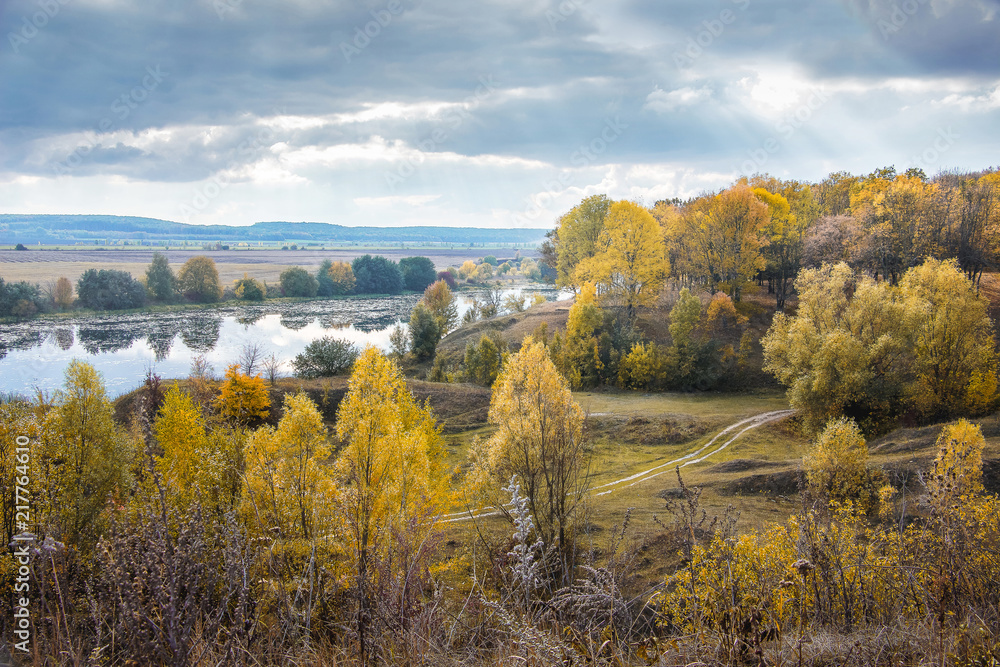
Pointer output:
662, 101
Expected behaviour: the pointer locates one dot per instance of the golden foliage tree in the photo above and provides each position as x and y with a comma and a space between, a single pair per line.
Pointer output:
440, 301
342, 276
287, 477
871, 350
837, 466
538, 440
63, 294
243, 399
577, 236
389, 481
180, 432
956, 363
630, 265
198, 279
85, 459
958, 468
577, 355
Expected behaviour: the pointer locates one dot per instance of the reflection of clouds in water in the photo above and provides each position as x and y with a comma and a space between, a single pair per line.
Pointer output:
122, 346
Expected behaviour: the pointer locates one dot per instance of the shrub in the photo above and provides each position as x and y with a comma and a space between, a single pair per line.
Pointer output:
837, 467
449, 278
107, 289
642, 367
243, 399
325, 356
297, 282
249, 289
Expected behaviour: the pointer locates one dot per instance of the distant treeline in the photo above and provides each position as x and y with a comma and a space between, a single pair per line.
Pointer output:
198, 281
33, 229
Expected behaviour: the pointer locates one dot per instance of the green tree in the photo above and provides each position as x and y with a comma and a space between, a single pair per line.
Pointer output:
425, 332
376, 275
418, 273
160, 280
250, 289
483, 360
297, 282
198, 280
108, 289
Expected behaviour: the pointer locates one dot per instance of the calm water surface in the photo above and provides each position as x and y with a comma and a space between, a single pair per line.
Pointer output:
35, 354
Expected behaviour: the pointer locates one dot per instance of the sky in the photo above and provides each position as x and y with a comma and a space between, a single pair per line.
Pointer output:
493, 113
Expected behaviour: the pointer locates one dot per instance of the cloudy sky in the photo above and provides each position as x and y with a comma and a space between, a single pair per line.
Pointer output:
492, 113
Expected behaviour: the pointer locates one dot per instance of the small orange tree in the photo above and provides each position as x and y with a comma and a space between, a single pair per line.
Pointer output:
243, 399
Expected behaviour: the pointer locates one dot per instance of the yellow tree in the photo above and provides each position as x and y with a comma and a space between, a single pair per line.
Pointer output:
63, 295
389, 479
180, 432
956, 362
577, 356
577, 236
243, 399
342, 276
287, 476
630, 264
837, 466
785, 233
845, 352
85, 459
958, 467
539, 441
440, 301
198, 279
734, 231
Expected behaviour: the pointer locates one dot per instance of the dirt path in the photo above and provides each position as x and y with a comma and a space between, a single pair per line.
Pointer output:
696, 456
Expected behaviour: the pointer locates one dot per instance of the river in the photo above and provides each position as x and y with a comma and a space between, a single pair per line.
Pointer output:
34, 354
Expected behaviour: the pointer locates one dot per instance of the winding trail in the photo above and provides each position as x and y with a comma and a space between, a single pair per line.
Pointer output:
696, 456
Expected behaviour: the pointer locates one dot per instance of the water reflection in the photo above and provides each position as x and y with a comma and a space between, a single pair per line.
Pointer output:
63, 337
36, 354
201, 332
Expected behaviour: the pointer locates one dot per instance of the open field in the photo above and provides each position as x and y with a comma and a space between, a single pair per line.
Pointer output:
45, 264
